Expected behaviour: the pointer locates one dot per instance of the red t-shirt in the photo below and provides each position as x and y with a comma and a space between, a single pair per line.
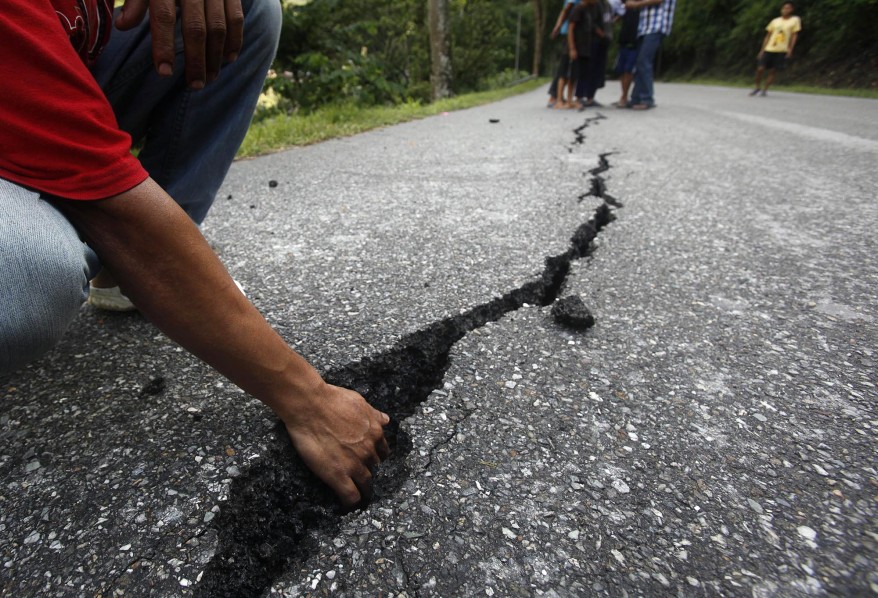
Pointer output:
58, 133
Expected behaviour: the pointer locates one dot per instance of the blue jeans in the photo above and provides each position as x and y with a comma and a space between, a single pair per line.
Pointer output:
189, 141
647, 47
45, 269
189, 137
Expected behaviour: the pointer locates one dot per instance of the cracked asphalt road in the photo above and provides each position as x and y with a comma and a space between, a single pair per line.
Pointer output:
714, 432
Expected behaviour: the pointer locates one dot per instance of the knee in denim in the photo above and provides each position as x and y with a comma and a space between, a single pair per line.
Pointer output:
262, 24
45, 296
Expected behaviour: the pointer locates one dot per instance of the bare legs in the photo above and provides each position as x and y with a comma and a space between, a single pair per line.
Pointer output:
769, 79
625, 79
570, 85
759, 72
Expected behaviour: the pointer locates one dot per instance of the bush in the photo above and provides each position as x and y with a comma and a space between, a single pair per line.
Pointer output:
373, 52
334, 54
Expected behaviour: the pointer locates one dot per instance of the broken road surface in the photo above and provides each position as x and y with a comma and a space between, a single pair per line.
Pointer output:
713, 432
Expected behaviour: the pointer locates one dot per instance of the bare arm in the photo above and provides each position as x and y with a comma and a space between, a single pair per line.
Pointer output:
642, 3
571, 43
599, 31
160, 259
792, 44
561, 16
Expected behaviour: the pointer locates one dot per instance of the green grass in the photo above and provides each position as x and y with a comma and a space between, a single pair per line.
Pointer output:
279, 132
794, 88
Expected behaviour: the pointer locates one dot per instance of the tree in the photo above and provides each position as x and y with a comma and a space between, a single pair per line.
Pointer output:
539, 29
440, 49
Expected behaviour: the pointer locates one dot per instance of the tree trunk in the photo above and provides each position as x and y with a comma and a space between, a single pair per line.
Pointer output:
440, 49
539, 31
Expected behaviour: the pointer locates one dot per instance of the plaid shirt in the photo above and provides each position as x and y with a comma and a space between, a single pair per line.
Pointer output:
657, 19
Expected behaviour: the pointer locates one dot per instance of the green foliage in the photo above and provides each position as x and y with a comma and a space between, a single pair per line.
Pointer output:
373, 52
505, 79
483, 39
841, 27
334, 53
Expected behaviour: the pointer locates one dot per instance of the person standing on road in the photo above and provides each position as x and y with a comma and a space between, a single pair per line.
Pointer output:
595, 74
564, 72
627, 53
74, 198
656, 19
580, 37
780, 39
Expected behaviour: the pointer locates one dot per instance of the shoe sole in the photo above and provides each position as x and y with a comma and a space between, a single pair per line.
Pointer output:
110, 299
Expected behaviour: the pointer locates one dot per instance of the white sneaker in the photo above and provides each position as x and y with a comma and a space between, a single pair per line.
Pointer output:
112, 299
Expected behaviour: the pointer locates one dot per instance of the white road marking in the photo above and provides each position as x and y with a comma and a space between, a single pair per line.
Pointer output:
851, 141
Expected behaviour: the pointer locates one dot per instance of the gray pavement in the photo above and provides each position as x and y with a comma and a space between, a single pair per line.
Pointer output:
713, 433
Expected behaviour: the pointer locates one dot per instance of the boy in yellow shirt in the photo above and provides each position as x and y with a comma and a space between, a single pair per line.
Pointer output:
780, 39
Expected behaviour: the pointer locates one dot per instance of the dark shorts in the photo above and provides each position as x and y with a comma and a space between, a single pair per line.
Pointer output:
626, 60
773, 60
578, 68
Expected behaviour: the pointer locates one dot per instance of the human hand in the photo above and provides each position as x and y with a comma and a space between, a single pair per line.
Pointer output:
631, 4
145, 238
573, 54
213, 30
555, 33
789, 53
341, 439
761, 54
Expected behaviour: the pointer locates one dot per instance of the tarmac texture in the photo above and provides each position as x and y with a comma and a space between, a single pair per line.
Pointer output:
713, 432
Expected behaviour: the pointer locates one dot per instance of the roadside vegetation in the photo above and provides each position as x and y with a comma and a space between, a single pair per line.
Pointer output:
347, 66
340, 120
377, 52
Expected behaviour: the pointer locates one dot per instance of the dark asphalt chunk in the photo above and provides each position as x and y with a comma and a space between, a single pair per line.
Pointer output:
153, 387
572, 312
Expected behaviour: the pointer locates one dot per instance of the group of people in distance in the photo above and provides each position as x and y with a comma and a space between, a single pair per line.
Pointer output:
586, 31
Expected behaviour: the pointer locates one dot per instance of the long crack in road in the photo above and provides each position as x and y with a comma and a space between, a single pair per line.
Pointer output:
276, 508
